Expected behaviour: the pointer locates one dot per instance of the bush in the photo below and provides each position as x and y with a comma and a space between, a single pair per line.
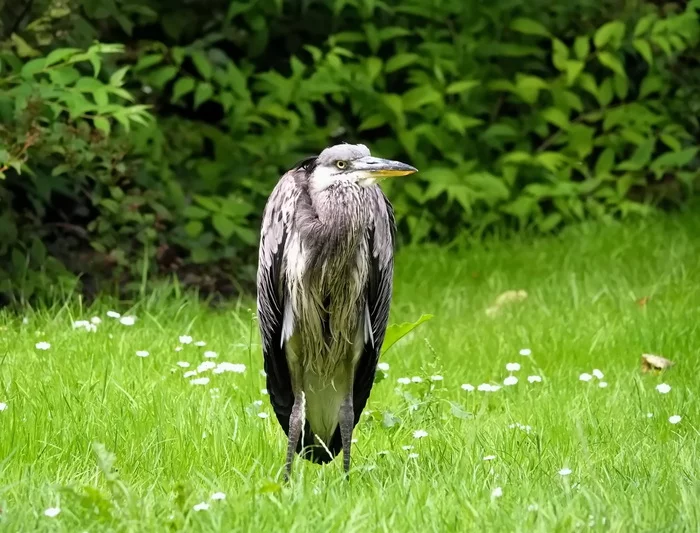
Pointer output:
519, 115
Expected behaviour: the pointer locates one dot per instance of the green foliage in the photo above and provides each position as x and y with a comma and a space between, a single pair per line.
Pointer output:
517, 115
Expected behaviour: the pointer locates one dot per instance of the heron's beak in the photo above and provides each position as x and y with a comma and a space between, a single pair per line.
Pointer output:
383, 168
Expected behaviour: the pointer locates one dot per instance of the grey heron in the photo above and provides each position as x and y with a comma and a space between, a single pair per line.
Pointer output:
324, 285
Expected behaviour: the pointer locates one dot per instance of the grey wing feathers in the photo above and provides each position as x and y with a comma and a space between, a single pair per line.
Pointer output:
276, 225
379, 287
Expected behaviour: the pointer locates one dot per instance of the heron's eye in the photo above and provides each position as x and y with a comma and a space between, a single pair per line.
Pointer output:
341, 164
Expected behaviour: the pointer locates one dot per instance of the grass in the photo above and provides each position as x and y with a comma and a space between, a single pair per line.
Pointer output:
175, 444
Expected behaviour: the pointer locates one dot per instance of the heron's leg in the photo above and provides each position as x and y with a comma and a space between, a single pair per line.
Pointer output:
346, 421
296, 423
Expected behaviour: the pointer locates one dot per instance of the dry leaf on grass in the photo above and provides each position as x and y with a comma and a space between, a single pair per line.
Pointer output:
506, 298
655, 363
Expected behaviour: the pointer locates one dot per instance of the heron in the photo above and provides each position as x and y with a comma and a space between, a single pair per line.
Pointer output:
324, 287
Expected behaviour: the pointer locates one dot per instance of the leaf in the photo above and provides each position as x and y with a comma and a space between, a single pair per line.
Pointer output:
621, 84
395, 332
573, 69
117, 79
64, 75
640, 158
159, 77
59, 55
203, 93
202, 63
611, 32
644, 24
673, 160
582, 47
223, 225
529, 27
372, 122
560, 53
399, 61
556, 116
182, 87
644, 49
605, 163
612, 62
605, 92
194, 228
528, 87
458, 412
192, 211
462, 86
32, 67
22, 47
550, 222
419, 97
102, 124
552, 161
147, 61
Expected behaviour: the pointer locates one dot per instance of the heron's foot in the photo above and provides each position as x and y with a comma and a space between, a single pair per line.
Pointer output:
346, 422
297, 419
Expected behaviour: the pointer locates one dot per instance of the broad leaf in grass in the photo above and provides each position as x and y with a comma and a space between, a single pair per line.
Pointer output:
395, 332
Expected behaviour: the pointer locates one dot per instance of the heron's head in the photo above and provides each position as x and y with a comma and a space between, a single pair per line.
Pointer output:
353, 163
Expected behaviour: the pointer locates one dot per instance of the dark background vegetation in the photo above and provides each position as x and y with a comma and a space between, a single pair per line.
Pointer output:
139, 139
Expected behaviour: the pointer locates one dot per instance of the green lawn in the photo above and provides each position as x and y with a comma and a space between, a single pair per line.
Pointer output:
175, 444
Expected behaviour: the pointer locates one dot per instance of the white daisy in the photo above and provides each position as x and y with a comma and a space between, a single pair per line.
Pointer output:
142, 353
404, 381
650, 415
185, 339
585, 377
467, 387
263, 415
206, 365
525, 352
200, 343
496, 493
182, 364
218, 496
200, 381
597, 374
417, 379
534, 379
384, 367
43, 345
510, 381
127, 320
419, 434
178, 348
237, 368
603, 384
189, 374
564, 471
202, 506
513, 367
413, 456
436, 378
263, 373
3, 406
52, 512
489, 457
96, 320
210, 354
80, 324
675, 419
663, 388
113, 314
263, 391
